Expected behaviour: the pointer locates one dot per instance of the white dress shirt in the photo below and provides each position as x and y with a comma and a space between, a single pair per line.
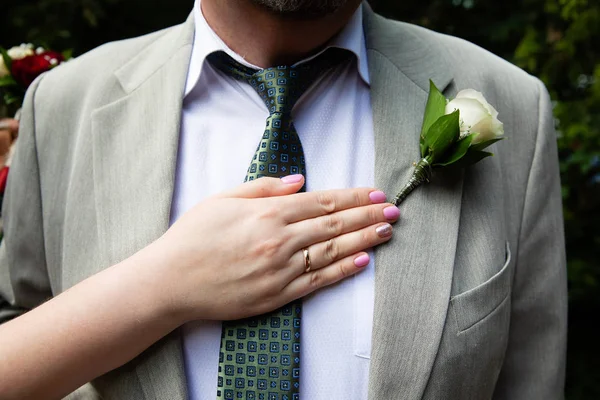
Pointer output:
222, 123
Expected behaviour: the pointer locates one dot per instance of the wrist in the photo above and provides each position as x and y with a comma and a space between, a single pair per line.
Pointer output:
148, 281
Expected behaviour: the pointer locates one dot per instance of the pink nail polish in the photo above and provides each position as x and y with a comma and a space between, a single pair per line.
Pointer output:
291, 179
391, 213
384, 231
362, 261
377, 197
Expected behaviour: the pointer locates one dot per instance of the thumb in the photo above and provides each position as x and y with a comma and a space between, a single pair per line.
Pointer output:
267, 187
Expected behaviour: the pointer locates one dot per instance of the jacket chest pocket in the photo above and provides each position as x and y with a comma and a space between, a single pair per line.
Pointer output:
475, 337
480, 303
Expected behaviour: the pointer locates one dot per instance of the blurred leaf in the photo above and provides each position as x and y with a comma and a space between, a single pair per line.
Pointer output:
8, 81
67, 54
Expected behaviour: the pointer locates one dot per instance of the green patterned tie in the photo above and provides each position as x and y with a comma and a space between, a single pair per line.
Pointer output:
260, 356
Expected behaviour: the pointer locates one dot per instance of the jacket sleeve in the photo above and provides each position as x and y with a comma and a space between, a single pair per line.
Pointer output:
24, 282
534, 366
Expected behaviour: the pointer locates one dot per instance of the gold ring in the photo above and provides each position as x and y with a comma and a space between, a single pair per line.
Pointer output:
306, 260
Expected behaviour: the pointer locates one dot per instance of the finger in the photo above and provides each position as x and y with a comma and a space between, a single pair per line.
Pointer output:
11, 125
314, 204
310, 281
326, 253
321, 229
266, 187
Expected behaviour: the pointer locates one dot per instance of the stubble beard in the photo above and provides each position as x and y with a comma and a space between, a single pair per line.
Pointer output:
302, 8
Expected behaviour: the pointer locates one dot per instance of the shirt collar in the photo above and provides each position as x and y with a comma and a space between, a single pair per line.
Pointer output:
206, 41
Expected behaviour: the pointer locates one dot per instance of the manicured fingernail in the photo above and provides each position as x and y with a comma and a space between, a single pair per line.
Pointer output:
391, 213
384, 231
377, 197
362, 261
292, 178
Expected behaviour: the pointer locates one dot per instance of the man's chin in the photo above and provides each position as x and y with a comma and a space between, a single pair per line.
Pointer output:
302, 9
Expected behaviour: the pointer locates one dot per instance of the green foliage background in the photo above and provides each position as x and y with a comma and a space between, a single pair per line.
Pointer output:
557, 40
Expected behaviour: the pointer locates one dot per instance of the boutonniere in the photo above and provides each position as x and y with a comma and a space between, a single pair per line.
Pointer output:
453, 133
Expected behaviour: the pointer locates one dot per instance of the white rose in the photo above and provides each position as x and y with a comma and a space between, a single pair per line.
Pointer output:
3, 70
22, 51
476, 116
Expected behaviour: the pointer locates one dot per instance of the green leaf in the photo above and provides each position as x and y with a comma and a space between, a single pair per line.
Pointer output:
13, 99
6, 58
441, 135
435, 108
487, 143
67, 54
457, 151
473, 157
8, 81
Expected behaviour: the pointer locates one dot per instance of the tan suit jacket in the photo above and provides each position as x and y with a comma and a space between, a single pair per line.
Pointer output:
470, 294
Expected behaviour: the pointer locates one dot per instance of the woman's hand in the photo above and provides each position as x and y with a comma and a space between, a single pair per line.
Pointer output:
9, 129
234, 255
240, 254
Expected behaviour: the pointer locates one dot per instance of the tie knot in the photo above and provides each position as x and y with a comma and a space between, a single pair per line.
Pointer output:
280, 87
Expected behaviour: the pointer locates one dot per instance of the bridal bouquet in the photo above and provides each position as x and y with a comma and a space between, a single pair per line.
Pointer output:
19, 67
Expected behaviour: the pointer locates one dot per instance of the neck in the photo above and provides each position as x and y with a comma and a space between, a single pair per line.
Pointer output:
266, 39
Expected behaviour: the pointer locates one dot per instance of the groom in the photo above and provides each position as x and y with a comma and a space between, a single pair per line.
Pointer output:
467, 301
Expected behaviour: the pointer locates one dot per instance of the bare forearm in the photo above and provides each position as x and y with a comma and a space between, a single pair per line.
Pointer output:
94, 327
219, 261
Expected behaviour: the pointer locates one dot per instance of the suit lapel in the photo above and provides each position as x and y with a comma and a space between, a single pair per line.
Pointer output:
413, 271
135, 143
135, 153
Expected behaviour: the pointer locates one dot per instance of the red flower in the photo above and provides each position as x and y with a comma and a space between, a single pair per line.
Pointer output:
3, 179
27, 69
